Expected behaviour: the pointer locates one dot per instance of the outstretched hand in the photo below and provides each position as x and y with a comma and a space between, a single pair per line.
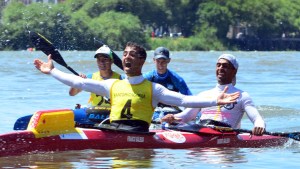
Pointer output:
225, 98
170, 118
44, 67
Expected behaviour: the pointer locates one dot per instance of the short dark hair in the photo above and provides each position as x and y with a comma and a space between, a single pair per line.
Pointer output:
140, 49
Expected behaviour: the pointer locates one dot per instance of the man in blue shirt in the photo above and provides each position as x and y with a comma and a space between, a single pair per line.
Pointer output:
166, 77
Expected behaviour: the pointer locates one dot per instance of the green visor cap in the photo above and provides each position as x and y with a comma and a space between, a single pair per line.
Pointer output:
104, 50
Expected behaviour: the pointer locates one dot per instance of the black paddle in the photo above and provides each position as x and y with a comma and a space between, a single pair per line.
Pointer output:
195, 128
43, 44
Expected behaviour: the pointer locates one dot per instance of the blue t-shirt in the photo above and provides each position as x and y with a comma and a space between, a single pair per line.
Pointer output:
89, 76
170, 80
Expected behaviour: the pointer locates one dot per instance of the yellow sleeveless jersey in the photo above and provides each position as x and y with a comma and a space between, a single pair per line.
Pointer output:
96, 100
131, 102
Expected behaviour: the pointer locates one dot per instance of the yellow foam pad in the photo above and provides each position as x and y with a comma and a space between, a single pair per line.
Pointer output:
52, 122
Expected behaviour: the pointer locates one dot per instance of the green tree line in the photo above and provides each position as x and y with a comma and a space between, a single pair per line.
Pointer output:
202, 24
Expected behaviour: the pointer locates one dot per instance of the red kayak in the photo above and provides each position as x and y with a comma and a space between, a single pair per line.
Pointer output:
52, 131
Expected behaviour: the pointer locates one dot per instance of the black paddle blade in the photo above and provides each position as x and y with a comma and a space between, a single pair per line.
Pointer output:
295, 136
43, 44
117, 60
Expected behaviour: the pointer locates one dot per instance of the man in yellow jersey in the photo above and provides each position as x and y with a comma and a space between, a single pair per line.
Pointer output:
104, 62
133, 98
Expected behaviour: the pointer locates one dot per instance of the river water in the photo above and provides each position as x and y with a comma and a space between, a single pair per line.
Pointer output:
271, 78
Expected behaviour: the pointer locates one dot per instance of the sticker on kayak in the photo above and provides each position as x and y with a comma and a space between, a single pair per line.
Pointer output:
223, 141
135, 139
175, 137
79, 135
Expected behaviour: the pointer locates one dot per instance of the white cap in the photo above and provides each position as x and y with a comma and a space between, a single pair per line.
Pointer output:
231, 59
104, 50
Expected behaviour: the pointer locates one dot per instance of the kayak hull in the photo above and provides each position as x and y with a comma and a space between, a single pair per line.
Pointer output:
22, 142
53, 130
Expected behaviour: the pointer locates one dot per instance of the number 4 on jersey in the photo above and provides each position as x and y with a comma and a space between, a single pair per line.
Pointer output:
126, 110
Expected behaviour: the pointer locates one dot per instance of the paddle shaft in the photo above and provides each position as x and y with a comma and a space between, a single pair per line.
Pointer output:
73, 71
292, 135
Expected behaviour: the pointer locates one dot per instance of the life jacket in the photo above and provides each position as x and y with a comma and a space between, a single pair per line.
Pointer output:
131, 102
97, 100
167, 82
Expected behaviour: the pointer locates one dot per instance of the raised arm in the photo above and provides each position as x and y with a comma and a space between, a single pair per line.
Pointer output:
74, 91
163, 95
98, 87
196, 102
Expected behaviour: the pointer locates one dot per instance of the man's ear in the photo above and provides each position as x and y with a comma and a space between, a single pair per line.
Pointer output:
235, 72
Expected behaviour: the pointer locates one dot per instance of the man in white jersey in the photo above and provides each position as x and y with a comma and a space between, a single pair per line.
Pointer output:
231, 114
134, 98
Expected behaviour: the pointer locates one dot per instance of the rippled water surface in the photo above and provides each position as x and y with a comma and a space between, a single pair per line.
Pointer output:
271, 78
